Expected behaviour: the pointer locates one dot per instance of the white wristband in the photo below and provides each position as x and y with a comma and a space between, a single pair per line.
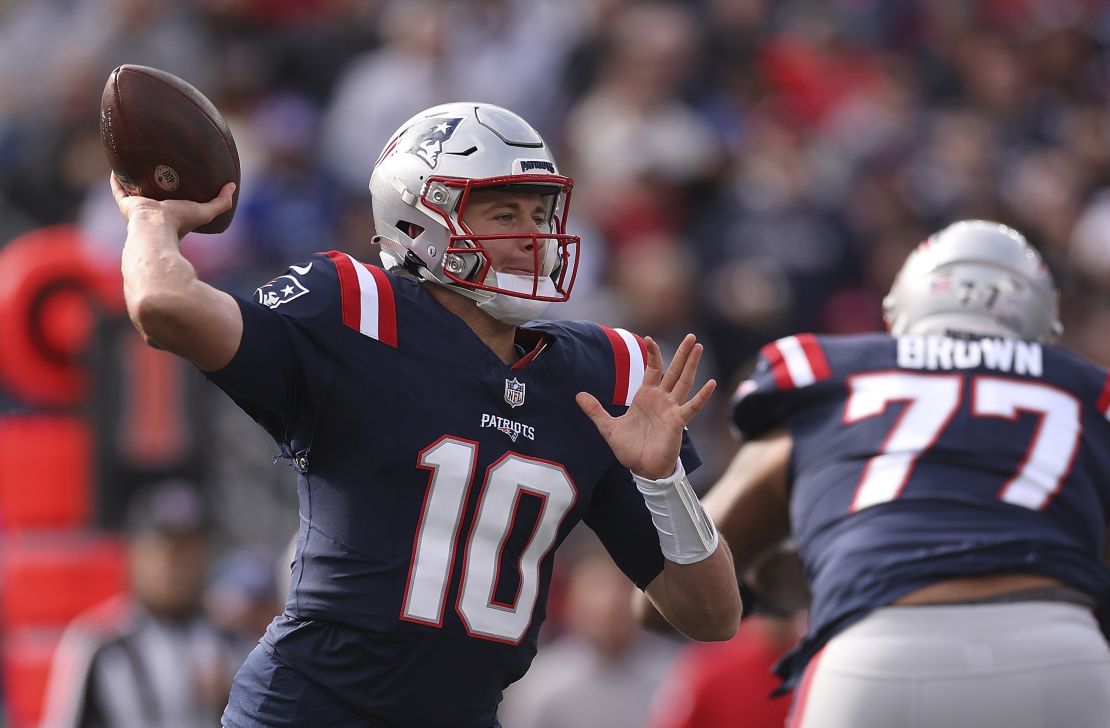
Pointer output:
686, 533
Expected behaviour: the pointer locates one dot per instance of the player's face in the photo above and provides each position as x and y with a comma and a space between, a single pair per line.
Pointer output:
503, 212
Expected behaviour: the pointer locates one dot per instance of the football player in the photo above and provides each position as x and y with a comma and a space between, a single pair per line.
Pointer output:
443, 444
947, 489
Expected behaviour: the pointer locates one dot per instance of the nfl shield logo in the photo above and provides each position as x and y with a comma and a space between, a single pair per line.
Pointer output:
514, 392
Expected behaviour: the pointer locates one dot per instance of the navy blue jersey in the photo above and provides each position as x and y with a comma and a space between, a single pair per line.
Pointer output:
435, 483
918, 459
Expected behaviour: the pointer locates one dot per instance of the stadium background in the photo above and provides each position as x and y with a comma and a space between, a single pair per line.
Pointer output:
744, 169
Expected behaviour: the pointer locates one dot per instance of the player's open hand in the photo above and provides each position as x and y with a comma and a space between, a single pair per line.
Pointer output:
647, 438
180, 215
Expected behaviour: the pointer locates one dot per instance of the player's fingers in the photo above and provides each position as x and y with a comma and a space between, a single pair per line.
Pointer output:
117, 189
219, 204
226, 196
593, 409
678, 364
653, 369
698, 401
689, 370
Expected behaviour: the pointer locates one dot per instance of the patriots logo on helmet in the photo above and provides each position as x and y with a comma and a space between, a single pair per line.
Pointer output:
428, 144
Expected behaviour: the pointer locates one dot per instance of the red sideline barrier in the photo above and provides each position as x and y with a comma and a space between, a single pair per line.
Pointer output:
45, 472
48, 580
27, 654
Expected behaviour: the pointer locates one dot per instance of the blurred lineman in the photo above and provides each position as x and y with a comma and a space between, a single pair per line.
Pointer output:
947, 488
444, 449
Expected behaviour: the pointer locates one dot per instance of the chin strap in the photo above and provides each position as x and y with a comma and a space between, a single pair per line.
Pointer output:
686, 532
513, 309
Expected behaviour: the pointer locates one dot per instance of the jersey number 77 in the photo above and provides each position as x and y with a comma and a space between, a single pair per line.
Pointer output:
931, 402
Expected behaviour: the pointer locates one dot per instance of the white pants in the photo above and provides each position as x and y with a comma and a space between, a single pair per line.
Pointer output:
1014, 665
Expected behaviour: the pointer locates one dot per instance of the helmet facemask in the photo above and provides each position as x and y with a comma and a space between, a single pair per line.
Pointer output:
422, 187
467, 264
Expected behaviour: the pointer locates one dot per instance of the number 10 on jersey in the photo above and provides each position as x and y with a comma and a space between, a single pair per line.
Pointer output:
452, 463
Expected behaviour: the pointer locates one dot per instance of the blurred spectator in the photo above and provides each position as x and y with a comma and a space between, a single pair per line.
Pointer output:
654, 278
729, 683
638, 148
434, 50
295, 44
531, 37
770, 253
603, 672
385, 86
95, 36
151, 658
292, 207
1090, 240
713, 687
55, 154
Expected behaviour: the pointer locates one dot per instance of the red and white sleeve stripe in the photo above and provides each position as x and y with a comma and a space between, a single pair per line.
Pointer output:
629, 355
369, 306
797, 361
1104, 399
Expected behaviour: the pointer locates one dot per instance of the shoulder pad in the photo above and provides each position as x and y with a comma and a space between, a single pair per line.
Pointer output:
368, 300
335, 283
792, 362
629, 359
785, 366
796, 361
291, 290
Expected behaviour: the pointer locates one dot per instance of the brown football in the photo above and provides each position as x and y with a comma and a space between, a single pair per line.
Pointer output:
165, 140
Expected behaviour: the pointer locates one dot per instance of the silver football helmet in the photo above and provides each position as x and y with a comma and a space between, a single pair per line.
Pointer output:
420, 187
976, 278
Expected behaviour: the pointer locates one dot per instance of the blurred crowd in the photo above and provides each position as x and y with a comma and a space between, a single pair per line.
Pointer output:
743, 169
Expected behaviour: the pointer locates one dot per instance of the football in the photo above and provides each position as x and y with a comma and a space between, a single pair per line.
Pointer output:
165, 140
